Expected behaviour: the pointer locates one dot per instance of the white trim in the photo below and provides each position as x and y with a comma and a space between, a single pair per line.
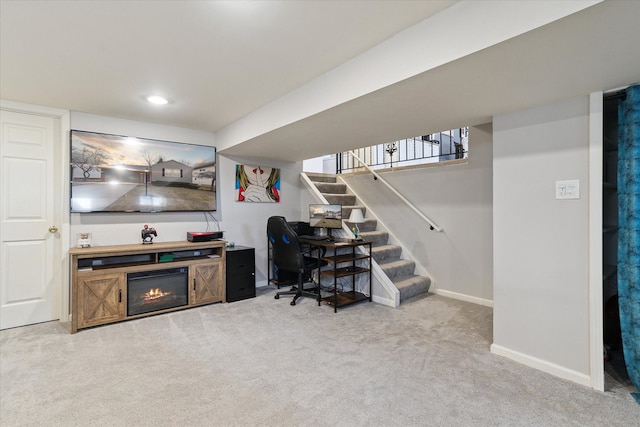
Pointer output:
596, 345
463, 297
542, 365
32, 109
380, 279
315, 193
384, 301
62, 193
65, 218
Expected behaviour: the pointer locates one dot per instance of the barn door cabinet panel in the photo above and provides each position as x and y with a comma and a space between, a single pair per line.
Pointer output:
207, 282
100, 298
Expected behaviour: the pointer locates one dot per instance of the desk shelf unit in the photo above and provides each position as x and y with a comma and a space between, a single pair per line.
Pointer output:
101, 277
346, 252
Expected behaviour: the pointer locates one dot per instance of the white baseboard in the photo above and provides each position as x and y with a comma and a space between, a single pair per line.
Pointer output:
463, 297
542, 365
383, 301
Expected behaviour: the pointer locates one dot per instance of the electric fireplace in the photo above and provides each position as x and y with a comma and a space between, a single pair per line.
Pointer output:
156, 290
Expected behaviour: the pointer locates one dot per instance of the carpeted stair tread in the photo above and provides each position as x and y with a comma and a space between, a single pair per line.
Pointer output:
398, 269
386, 253
340, 199
412, 286
331, 187
321, 178
377, 238
367, 225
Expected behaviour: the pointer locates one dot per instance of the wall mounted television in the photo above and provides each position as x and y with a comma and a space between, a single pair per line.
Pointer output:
114, 173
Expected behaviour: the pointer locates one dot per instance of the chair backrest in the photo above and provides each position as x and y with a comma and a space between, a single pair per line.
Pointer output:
286, 253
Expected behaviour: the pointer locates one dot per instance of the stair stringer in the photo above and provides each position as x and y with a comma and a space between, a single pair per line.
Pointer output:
382, 288
393, 239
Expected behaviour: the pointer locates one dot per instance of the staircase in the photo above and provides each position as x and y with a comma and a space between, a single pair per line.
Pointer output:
386, 255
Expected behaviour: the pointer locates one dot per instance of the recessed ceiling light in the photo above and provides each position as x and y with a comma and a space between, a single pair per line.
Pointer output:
158, 100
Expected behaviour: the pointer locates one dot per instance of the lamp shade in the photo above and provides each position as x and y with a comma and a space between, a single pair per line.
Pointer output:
356, 216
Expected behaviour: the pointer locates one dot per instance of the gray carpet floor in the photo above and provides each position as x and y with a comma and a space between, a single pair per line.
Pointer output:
262, 362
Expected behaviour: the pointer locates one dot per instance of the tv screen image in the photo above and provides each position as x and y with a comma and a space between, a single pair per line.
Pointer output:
113, 173
325, 216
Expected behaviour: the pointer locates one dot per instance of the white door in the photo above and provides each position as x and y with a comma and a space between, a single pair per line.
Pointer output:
29, 242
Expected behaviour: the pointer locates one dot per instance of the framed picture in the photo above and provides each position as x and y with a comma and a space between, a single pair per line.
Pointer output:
257, 184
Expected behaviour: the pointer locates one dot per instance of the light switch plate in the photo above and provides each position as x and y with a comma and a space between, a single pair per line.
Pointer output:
568, 189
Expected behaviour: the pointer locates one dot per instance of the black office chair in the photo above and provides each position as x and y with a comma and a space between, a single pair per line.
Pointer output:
288, 257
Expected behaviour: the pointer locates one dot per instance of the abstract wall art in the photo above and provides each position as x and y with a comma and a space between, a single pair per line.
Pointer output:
257, 184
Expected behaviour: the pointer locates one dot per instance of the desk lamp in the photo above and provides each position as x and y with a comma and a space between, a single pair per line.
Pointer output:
356, 218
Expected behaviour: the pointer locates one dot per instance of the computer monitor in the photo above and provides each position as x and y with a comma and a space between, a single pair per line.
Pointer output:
325, 216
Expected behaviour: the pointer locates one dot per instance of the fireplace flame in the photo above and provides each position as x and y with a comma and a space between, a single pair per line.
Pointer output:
156, 293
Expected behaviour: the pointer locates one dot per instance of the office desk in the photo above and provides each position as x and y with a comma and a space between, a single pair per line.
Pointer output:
344, 261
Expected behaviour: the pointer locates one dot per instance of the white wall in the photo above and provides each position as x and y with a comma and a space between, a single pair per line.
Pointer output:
541, 247
243, 223
456, 197
246, 223
471, 20
312, 165
324, 164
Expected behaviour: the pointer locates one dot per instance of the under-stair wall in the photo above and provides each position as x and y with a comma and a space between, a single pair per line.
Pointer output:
459, 199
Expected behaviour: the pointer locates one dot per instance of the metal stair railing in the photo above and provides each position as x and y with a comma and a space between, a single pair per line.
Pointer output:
434, 148
432, 224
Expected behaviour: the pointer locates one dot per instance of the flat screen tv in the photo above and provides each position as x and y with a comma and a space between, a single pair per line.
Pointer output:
114, 173
325, 216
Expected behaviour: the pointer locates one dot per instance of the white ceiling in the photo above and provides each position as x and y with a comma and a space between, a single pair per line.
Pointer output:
219, 61
216, 60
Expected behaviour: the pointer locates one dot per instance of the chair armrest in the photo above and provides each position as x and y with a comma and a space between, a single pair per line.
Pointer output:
307, 250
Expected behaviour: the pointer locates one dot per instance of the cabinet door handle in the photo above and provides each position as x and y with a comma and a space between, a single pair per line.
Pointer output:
119, 295
194, 284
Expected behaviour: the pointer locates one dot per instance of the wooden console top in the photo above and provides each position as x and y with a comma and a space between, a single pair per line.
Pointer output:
139, 247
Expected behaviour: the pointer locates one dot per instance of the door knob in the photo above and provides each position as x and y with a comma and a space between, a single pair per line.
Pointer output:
53, 229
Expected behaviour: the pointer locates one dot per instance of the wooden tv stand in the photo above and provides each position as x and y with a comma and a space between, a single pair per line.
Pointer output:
99, 277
